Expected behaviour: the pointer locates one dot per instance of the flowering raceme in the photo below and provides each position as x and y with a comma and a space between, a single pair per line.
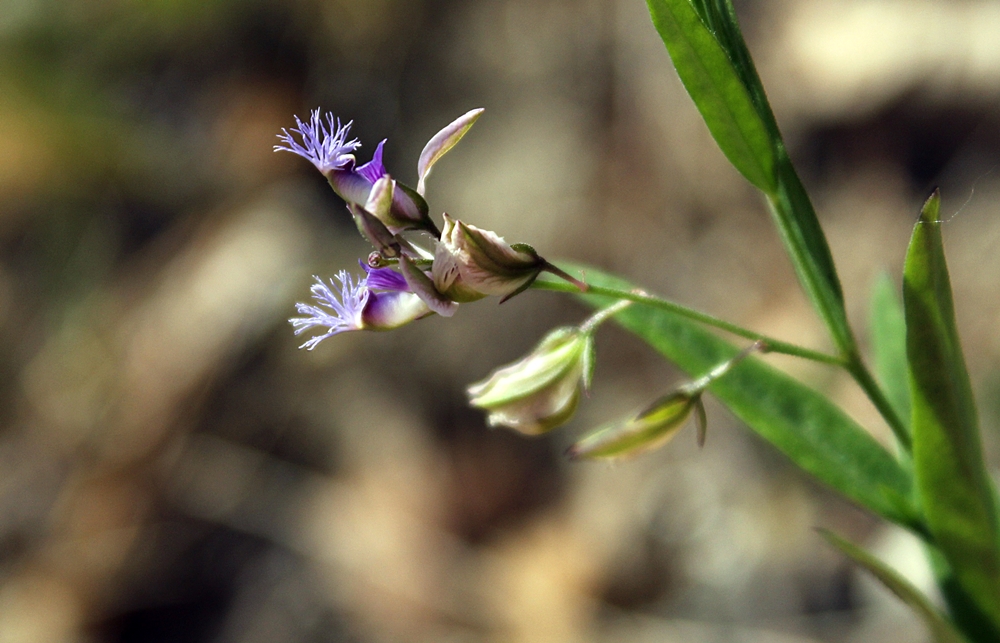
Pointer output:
405, 281
464, 264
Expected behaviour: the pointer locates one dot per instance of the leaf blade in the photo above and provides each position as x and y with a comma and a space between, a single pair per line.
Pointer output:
941, 629
888, 342
808, 428
955, 490
712, 60
717, 90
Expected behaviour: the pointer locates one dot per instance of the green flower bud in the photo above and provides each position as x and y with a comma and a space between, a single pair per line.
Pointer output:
652, 428
540, 391
471, 263
661, 420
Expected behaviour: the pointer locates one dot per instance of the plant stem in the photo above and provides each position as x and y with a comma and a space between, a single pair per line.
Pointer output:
773, 345
604, 315
852, 363
864, 378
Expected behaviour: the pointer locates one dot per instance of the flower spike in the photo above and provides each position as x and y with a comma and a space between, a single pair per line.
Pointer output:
323, 144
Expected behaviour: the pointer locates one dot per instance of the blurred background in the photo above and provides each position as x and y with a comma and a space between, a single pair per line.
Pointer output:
172, 468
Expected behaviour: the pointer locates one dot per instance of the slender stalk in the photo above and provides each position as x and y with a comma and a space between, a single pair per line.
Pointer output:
773, 345
852, 363
864, 378
604, 315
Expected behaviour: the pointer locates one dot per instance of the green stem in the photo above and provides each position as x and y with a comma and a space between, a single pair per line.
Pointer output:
852, 363
864, 378
603, 315
773, 345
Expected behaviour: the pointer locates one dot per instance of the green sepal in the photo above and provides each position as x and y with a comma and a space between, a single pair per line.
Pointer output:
651, 428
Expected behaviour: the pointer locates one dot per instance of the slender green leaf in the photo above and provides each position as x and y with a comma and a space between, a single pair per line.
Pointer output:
806, 245
808, 428
717, 89
941, 629
955, 490
888, 337
712, 60
720, 18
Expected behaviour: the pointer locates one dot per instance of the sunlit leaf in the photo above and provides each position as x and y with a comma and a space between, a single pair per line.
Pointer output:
955, 491
717, 90
707, 48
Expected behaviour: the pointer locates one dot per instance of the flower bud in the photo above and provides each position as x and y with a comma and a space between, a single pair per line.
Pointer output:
540, 391
471, 263
661, 420
650, 429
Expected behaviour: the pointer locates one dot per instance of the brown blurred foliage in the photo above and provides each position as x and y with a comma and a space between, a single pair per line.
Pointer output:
173, 469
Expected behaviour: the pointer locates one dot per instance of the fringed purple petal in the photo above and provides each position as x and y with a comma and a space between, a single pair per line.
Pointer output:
346, 310
323, 144
373, 170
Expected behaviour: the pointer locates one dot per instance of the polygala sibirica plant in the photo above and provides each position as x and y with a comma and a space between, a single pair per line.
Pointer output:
934, 482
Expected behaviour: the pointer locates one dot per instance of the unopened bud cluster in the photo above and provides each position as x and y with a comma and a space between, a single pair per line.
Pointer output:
541, 390
403, 281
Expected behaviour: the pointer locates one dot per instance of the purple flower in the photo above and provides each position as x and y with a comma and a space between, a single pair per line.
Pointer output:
324, 144
381, 300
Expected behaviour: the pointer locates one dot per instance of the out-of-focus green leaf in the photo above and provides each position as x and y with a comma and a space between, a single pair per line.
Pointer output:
955, 491
804, 425
941, 629
888, 337
717, 89
964, 611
